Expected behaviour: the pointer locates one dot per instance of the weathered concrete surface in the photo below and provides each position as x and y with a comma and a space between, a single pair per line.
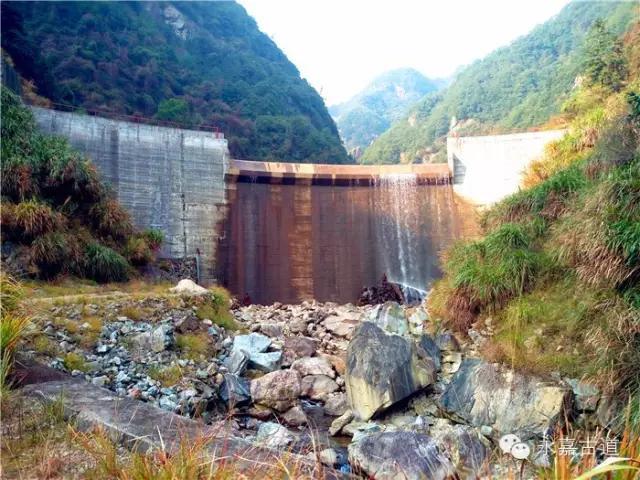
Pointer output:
488, 168
168, 178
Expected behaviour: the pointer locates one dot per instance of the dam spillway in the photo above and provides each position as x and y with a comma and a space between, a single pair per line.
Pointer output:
293, 241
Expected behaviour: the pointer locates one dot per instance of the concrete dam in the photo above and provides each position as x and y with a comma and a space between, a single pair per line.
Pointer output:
281, 231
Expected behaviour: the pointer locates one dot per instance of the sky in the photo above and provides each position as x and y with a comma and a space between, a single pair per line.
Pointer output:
339, 46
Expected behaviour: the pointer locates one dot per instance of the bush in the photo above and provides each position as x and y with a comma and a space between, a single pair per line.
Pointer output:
138, 251
110, 219
103, 264
27, 220
154, 238
55, 253
10, 293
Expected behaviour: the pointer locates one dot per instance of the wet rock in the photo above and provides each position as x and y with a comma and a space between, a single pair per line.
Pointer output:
278, 390
298, 347
318, 387
273, 435
189, 288
486, 394
336, 404
313, 366
468, 451
295, 417
399, 455
237, 362
266, 362
389, 317
235, 391
156, 340
383, 369
384, 292
339, 423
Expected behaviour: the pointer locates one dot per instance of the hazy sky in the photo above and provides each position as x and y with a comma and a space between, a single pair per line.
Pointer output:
341, 45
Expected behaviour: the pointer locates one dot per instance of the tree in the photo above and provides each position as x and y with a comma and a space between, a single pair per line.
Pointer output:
173, 110
604, 62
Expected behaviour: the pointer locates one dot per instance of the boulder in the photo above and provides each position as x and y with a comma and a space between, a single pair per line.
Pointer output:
272, 330
467, 450
417, 321
342, 325
188, 287
313, 366
429, 345
586, 396
399, 455
156, 340
389, 317
383, 369
273, 435
298, 347
486, 394
237, 362
266, 362
336, 404
278, 390
234, 391
339, 423
252, 343
189, 323
295, 417
318, 387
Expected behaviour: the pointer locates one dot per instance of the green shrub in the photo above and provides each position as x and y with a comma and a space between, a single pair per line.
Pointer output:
73, 361
55, 252
138, 251
103, 264
110, 219
154, 238
27, 220
11, 293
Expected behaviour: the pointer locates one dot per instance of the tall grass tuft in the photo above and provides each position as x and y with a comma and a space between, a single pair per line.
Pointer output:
12, 326
104, 264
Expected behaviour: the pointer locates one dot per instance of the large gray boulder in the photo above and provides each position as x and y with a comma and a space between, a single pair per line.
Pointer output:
383, 369
390, 317
485, 394
254, 347
399, 455
156, 340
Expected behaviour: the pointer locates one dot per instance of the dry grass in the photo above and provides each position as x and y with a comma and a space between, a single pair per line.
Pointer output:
195, 345
168, 376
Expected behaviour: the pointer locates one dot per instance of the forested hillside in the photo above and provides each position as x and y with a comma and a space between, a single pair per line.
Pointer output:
516, 87
365, 116
189, 62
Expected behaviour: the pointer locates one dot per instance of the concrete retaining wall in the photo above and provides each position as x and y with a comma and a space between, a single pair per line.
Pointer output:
168, 178
487, 169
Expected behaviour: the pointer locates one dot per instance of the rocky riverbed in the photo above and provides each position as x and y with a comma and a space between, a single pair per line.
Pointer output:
378, 389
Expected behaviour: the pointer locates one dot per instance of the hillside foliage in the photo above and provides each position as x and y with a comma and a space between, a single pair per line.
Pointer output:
515, 87
189, 62
56, 213
386, 99
558, 269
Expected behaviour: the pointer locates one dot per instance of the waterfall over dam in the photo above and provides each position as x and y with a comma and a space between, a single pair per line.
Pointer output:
288, 232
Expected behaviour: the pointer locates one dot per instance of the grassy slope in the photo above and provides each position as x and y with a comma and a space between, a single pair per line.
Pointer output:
558, 269
515, 87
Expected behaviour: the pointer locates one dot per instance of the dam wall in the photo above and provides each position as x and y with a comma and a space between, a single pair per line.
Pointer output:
485, 169
170, 179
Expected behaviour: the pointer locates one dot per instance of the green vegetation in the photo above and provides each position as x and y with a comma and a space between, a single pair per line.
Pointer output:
57, 212
365, 116
73, 361
218, 69
516, 87
167, 376
12, 326
558, 269
195, 345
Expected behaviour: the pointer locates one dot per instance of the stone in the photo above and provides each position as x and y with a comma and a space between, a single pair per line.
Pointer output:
342, 325
338, 362
468, 451
481, 393
273, 435
235, 391
187, 324
100, 381
447, 342
317, 387
156, 340
251, 343
399, 455
278, 390
383, 369
298, 347
266, 362
271, 330
298, 325
336, 404
339, 423
586, 396
328, 457
295, 417
189, 288
429, 345
417, 321
389, 317
313, 366
237, 362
